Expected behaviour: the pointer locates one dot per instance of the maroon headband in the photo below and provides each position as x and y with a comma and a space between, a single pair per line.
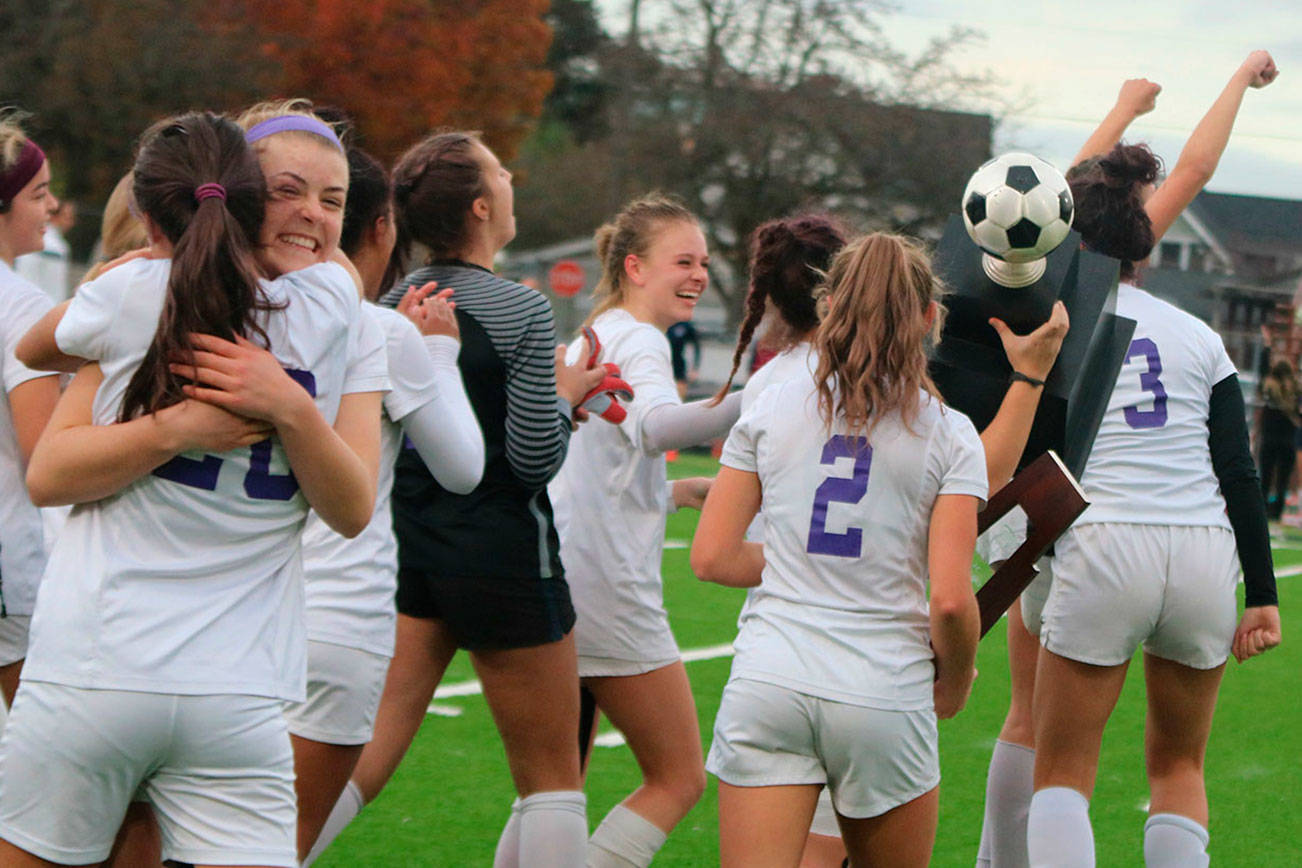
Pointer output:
17, 176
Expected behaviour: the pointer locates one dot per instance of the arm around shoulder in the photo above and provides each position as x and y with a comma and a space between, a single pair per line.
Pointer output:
39, 350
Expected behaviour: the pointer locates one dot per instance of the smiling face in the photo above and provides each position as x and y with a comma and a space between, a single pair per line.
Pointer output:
307, 186
22, 227
664, 283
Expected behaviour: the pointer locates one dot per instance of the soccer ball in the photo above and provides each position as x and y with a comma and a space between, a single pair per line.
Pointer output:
1017, 207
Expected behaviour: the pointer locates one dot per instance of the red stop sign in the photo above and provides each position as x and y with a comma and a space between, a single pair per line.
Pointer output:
566, 278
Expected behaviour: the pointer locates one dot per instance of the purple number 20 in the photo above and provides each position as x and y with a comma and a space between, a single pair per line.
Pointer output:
259, 483
839, 489
1149, 382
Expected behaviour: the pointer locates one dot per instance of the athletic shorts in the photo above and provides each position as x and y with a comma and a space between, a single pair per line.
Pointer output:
825, 822
217, 771
13, 638
1003, 537
603, 667
343, 694
871, 759
1036, 595
1117, 586
489, 613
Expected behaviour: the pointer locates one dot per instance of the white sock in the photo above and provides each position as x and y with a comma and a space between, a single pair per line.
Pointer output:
1173, 841
1058, 833
625, 839
508, 845
1009, 786
348, 805
553, 829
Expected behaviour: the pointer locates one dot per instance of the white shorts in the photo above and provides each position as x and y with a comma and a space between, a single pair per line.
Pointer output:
13, 638
824, 822
1003, 537
1116, 586
1036, 595
601, 667
871, 759
343, 694
217, 771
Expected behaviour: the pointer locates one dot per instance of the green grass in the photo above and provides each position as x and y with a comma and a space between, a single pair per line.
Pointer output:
449, 799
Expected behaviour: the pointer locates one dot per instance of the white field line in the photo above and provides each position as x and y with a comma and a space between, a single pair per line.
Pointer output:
474, 688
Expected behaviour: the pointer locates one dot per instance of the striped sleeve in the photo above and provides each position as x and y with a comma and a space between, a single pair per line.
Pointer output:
537, 425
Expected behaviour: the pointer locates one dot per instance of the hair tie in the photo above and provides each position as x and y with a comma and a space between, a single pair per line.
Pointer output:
16, 177
286, 123
209, 191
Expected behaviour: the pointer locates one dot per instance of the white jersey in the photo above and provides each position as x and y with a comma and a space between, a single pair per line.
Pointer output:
610, 505
1150, 463
796, 361
351, 582
793, 362
47, 268
189, 580
841, 611
22, 546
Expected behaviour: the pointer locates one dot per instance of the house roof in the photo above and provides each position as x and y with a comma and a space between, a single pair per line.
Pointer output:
1251, 224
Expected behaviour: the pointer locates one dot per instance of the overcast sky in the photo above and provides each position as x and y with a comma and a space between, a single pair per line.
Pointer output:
1064, 68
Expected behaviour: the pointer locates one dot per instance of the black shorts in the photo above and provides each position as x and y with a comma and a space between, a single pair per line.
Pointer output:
489, 613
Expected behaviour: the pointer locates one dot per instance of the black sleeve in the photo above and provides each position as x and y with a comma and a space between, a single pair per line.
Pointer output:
1227, 437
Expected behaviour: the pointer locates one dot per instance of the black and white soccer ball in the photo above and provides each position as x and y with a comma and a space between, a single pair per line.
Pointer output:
1017, 207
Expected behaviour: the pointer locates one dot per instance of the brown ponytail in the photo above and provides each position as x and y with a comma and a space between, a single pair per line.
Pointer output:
788, 260
213, 287
871, 346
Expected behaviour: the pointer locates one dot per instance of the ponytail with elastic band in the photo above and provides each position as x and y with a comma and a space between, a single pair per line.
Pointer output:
209, 191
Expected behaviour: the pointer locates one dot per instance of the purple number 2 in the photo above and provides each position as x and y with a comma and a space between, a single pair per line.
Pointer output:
259, 482
1149, 382
840, 489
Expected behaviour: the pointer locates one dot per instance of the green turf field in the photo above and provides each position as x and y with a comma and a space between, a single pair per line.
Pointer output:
448, 801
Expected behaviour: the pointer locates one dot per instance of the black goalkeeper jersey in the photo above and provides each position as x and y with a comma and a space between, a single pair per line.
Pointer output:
504, 527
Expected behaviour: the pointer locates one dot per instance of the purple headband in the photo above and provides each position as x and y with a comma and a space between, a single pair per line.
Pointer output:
15, 178
286, 123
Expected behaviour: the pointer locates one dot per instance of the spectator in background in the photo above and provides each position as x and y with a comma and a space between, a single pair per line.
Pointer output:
1277, 425
48, 268
681, 335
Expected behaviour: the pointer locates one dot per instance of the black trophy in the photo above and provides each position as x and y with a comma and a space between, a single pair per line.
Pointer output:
1012, 255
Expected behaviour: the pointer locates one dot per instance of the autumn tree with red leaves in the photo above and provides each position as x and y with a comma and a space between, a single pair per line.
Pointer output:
400, 68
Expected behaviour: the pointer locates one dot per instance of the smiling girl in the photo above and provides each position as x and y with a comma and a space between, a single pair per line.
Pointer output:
611, 500
25, 206
170, 634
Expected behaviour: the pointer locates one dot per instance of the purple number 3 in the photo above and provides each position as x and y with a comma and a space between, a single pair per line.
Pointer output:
259, 482
839, 489
1149, 382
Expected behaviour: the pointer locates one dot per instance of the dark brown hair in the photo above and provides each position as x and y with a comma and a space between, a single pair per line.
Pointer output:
631, 233
789, 258
1110, 215
434, 186
369, 198
213, 287
872, 357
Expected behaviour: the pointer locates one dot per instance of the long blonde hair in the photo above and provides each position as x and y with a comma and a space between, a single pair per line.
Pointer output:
871, 346
631, 232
